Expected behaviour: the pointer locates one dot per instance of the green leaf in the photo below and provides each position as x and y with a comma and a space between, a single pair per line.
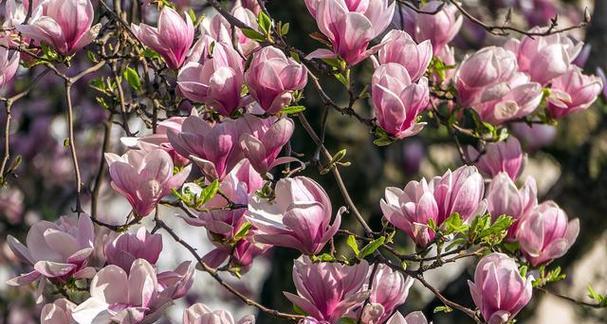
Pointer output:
292, 110
208, 193
151, 54
325, 257
284, 29
351, 242
454, 224
264, 22
371, 247
132, 78
242, 232
253, 34
346, 320
443, 309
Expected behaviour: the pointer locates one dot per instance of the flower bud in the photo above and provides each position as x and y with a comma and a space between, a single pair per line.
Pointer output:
545, 234
499, 290
400, 48
397, 101
326, 291
573, 91
505, 156
272, 78
350, 25
172, 38
143, 178
504, 198
62, 24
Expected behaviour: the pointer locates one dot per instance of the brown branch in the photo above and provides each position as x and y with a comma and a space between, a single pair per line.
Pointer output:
505, 30
570, 299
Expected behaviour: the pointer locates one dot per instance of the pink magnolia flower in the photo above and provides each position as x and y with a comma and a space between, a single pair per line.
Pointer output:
397, 101
400, 48
143, 178
544, 58
498, 289
411, 318
176, 283
9, 63
223, 224
57, 251
213, 75
489, 83
534, 136
252, 5
389, 290
505, 156
213, 147
128, 247
411, 209
264, 140
201, 314
504, 198
171, 39
63, 24
221, 30
58, 312
124, 298
573, 91
439, 28
272, 78
160, 140
350, 25
326, 291
299, 217
545, 234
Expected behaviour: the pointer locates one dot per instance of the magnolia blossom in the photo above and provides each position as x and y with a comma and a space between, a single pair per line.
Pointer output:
350, 25
160, 140
9, 63
544, 57
221, 30
411, 209
498, 289
400, 48
213, 75
272, 78
127, 247
573, 91
213, 147
534, 136
504, 198
264, 139
133, 297
505, 156
412, 318
143, 178
545, 234
326, 291
200, 314
223, 224
58, 312
299, 217
439, 28
389, 289
57, 251
489, 83
171, 39
397, 101
63, 24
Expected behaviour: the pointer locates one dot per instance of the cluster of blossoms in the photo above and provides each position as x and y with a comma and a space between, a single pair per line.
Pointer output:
219, 162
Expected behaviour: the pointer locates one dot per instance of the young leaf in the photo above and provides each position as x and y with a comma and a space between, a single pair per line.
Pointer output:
292, 110
371, 247
351, 242
132, 78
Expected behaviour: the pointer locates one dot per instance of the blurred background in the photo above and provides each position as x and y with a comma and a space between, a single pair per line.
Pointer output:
569, 162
